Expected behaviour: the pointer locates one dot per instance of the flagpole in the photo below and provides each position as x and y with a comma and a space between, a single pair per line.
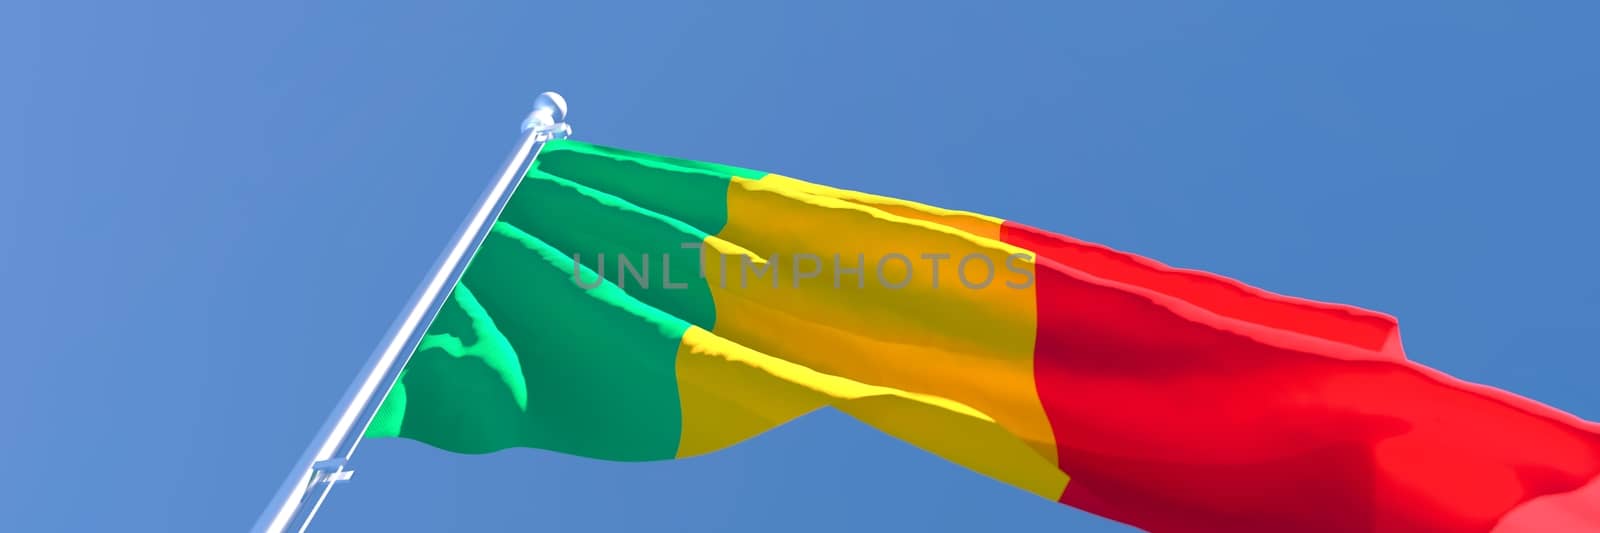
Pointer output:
324, 462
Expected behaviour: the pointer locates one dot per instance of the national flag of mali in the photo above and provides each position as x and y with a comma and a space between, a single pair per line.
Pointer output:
634, 307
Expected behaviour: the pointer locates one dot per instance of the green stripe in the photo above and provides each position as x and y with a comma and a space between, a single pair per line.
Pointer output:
523, 357
568, 145
577, 219
692, 191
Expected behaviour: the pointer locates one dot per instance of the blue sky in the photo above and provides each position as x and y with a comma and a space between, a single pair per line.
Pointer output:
210, 213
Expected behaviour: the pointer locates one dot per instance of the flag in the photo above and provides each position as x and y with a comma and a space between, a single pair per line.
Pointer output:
634, 307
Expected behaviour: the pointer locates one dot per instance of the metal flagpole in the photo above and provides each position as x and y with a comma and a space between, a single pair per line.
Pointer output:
324, 461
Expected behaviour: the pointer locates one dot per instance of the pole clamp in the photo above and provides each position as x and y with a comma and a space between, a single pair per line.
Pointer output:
330, 471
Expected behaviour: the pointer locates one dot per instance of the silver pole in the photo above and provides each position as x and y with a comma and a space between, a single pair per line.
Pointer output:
324, 461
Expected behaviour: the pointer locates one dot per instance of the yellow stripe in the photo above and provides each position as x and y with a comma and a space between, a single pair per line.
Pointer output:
977, 224
934, 336
731, 393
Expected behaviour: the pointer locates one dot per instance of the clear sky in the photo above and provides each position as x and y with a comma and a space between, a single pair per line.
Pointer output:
211, 211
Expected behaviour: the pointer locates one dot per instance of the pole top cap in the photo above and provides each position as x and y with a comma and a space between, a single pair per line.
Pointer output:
549, 112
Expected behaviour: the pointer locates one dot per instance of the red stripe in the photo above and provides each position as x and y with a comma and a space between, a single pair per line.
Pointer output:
1578, 510
1173, 414
1339, 323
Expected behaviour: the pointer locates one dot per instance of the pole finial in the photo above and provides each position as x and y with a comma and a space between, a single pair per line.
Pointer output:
546, 119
